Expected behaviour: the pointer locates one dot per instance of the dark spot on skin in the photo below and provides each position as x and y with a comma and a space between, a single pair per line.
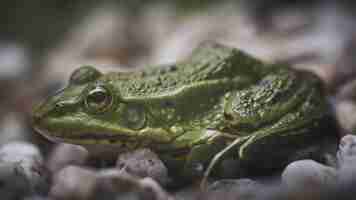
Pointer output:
168, 104
172, 68
162, 71
58, 106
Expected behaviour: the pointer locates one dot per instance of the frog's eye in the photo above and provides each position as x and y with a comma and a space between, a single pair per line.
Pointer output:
83, 75
98, 99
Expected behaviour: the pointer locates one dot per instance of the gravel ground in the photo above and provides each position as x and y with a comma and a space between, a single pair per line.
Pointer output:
320, 38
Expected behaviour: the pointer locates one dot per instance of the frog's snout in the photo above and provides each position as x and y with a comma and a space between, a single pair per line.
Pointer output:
40, 112
37, 114
35, 117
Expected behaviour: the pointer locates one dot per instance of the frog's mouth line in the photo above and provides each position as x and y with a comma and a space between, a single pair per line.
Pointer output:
89, 138
119, 142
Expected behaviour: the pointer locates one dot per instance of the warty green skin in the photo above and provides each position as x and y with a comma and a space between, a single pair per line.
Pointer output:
220, 101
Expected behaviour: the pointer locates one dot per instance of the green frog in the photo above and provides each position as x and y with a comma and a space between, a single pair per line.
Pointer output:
218, 104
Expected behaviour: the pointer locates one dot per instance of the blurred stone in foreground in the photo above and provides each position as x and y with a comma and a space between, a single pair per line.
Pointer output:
73, 183
229, 189
346, 115
12, 128
346, 157
115, 184
66, 154
143, 163
14, 61
22, 171
345, 106
307, 179
77, 183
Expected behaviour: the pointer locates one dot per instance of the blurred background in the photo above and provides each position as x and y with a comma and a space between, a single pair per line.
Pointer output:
42, 42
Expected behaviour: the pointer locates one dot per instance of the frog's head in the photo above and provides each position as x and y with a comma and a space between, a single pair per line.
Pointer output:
89, 111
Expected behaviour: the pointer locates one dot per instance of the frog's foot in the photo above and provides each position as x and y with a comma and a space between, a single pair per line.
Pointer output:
217, 157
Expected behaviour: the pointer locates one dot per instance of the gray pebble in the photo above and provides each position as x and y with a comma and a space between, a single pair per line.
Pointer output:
118, 184
22, 170
73, 182
19, 152
36, 197
66, 154
152, 188
77, 183
346, 158
346, 154
190, 192
346, 114
12, 128
144, 163
13, 182
115, 184
233, 189
308, 179
14, 60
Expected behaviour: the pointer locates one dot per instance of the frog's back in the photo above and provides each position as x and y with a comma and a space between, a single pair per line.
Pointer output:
209, 63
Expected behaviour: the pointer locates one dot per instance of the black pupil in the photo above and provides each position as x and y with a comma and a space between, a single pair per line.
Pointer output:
98, 97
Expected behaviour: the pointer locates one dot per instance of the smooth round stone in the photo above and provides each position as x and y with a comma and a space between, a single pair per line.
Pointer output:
13, 129
13, 185
233, 189
14, 60
36, 197
346, 154
152, 188
346, 160
22, 169
143, 163
118, 184
73, 182
66, 154
18, 151
346, 114
308, 178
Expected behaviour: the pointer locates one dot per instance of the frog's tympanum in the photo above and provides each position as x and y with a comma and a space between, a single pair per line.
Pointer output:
219, 104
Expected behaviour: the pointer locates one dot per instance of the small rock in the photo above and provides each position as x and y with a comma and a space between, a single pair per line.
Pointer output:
14, 60
307, 178
347, 91
114, 183
233, 189
73, 182
22, 170
117, 184
346, 114
151, 188
12, 128
13, 182
346, 154
36, 197
346, 158
143, 163
20, 151
66, 154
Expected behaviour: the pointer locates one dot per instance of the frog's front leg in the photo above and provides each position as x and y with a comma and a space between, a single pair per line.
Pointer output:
204, 145
290, 138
